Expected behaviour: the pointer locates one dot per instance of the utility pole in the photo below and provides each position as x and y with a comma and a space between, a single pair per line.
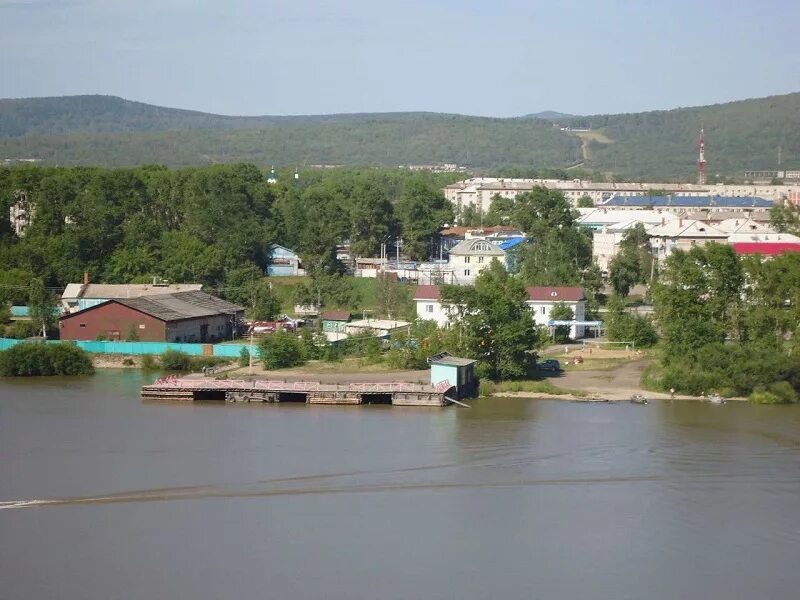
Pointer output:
701, 159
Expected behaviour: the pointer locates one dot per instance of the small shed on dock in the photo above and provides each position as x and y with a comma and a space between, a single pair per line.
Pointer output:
459, 373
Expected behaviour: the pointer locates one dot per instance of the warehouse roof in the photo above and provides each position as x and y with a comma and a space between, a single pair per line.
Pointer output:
173, 307
125, 290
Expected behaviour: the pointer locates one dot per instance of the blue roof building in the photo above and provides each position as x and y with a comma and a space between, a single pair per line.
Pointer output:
725, 202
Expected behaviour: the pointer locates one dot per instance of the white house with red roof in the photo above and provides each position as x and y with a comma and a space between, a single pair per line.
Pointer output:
541, 301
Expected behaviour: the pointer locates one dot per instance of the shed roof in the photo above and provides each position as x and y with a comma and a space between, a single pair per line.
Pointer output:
336, 315
173, 307
555, 294
445, 358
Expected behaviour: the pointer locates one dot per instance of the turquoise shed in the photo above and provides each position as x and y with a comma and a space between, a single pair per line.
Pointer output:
459, 373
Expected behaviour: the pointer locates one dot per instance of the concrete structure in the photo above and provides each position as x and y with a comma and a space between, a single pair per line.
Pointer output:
376, 327
541, 301
80, 296
181, 317
306, 392
283, 262
21, 213
470, 257
606, 243
454, 374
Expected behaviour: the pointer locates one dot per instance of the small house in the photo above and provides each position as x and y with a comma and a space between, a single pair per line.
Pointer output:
283, 262
335, 321
448, 372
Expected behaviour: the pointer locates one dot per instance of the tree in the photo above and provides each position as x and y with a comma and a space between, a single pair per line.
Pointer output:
42, 307
541, 210
561, 312
495, 324
585, 202
556, 257
422, 211
625, 271
265, 304
281, 350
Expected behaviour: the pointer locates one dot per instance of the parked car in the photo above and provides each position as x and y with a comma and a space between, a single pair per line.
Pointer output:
549, 365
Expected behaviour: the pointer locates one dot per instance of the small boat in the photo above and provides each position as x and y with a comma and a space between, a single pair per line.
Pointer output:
638, 399
716, 399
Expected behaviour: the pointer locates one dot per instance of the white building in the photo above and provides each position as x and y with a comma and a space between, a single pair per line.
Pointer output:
683, 235
541, 301
470, 257
479, 191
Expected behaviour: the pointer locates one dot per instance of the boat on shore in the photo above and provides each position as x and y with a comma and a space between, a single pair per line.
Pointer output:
638, 399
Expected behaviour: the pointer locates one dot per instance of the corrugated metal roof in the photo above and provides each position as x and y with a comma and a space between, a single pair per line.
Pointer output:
173, 307
336, 315
508, 244
765, 248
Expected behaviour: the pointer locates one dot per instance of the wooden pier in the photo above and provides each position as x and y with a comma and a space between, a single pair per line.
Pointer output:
311, 392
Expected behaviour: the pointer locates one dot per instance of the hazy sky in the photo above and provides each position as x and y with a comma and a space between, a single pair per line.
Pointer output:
484, 57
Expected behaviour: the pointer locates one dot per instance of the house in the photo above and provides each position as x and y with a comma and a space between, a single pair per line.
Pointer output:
80, 296
429, 305
470, 257
606, 243
450, 372
283, 262
180, 317
335, 320
541, 301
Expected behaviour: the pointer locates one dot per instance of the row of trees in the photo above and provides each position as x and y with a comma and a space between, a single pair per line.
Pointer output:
207, 224
729, 323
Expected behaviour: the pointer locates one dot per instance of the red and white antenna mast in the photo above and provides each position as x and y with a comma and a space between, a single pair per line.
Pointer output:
701, 160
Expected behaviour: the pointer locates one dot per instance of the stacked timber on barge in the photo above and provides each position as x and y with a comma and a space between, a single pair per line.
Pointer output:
311, 392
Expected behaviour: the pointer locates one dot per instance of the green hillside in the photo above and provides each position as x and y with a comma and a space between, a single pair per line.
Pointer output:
663, 144
110, 131
105, 130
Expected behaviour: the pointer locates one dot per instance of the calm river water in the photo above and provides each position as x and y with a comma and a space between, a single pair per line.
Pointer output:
510, 499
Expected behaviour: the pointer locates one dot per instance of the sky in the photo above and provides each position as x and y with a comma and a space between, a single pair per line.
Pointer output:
480, 57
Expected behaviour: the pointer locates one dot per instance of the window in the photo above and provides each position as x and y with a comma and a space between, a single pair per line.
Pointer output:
429, 308
83, 325
466, 260
141, 325
543, 310
480, 259
466, 272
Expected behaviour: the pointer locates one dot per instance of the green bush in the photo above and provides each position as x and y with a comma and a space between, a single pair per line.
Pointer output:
244, 357
149, 363
175, 360
20, 330
128, 362
485, 388
29, 359
281, 350
779, 392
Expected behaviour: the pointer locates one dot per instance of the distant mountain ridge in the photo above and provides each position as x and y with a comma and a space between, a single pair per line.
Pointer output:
107, 130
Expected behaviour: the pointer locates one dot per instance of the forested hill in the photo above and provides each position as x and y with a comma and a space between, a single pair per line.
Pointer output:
739, 136
105, 130
110, 131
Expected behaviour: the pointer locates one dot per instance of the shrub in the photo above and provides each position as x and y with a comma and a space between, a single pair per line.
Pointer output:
20, 330
244, 357
485, 388
281, 350
28, 359
128, 362
149, 363
175, 360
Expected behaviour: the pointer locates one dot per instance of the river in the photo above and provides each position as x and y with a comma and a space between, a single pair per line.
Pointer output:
104, 497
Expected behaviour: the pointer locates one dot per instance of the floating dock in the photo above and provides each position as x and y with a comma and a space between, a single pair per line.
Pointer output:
311, 392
